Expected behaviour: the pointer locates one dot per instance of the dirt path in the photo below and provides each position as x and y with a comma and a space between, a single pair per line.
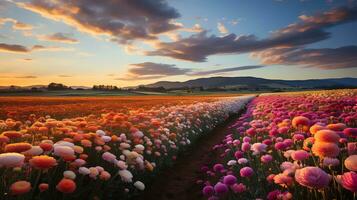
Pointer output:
179, 181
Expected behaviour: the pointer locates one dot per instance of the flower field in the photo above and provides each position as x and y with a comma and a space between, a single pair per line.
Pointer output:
98, 149
290, 146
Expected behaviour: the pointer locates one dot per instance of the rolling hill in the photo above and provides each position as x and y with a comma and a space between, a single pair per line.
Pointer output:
253, 82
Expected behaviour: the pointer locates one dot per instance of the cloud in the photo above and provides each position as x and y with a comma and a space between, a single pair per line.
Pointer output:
224, 70
58, 37
326, 58
221, 28
309, 29
20, 77
149, 70
26, 77
64, 76
15, 48
16, 25
235, 21
124, 20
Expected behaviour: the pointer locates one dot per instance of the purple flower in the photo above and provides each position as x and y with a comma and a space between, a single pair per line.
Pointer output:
229, 180
220, 188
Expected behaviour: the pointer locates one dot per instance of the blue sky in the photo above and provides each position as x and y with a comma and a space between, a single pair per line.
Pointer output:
41, 43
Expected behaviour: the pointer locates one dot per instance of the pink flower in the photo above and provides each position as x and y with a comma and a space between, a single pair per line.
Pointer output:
280, 146
299, 155
238, 154
270, 178
258, 148
109, 157
246, 139
266, 158
352, 148
245, 146
349, 181
351, 132
251, 131
312, 177
246, 172
238, 188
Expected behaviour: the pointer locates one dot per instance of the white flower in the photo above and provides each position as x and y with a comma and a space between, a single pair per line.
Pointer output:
139, 185
122, 165
100, 132
69, 174
64, 143
106, 138
139, 147
34, 151
63, 151
232, 162
242, 161
79, 162
11, 160
126, 176
108, 157
124, 145
83, 171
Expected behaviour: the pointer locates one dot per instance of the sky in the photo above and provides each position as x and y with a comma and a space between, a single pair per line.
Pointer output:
132, 42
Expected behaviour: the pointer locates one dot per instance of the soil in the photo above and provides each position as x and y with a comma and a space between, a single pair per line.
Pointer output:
179, 181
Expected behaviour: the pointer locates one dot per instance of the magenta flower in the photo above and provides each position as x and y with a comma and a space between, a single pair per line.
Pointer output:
220, 188
266, 158
229, 180
218, 167
280, 146
208, 191
246, 172
349, 181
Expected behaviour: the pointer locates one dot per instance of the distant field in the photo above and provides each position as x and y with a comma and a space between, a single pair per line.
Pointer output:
20, 107
118, 93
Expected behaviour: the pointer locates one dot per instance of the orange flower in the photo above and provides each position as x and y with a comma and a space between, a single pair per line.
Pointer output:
300, 121
4, 139
351, 162
308, 142
20, 187
66, 186
336, 127
86, 143
43, 162
326, 136
325, 149
12, 134
18, 147
315, 128
46, 146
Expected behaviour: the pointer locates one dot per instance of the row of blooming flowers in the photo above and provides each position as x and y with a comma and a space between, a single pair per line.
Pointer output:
100, 157
296, 146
